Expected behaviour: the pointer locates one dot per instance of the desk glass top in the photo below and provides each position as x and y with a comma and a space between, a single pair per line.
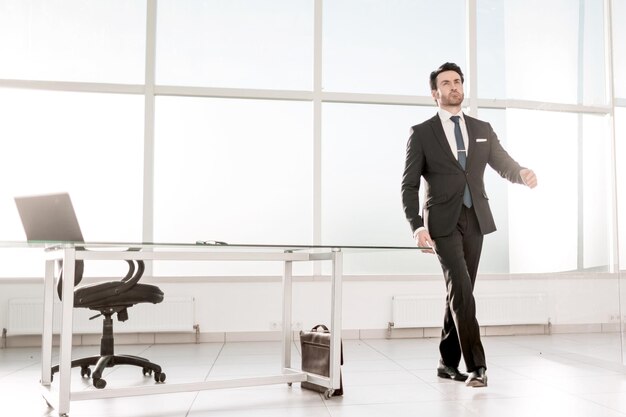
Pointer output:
201, 245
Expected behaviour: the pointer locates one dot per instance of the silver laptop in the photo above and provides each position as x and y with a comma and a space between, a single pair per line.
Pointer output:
49, 218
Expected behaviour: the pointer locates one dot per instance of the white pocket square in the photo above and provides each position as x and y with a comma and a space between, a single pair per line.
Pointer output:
481, 140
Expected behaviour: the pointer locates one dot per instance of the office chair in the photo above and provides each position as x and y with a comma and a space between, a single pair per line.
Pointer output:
109, 298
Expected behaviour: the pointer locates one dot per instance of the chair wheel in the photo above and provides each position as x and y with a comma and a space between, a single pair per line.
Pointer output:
159, 376
85, 372
99, 383
147, 371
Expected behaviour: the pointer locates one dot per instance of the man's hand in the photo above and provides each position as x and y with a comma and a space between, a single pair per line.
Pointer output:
529, 177
423, 240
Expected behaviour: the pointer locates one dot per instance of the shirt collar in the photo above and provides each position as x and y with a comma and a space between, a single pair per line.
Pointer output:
445, 114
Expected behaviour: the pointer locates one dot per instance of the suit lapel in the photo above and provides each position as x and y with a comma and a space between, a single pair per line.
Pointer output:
437, 127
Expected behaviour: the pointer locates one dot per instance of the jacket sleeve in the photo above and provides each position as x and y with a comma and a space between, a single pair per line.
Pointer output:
501, 161
413, 168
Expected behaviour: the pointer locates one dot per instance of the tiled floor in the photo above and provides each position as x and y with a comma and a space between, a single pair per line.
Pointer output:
529, 376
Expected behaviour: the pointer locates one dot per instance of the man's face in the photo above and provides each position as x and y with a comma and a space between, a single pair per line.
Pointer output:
449, 90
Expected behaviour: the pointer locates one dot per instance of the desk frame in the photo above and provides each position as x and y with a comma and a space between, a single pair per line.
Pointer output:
60, 399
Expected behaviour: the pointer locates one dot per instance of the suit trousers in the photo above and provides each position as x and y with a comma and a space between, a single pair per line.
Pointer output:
459, 255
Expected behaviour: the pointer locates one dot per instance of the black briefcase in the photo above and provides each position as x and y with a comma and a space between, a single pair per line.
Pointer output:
315, 346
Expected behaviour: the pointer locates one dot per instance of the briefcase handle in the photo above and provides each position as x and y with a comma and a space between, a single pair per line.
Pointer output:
318, 326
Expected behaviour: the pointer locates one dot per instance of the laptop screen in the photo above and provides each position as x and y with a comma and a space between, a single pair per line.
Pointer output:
49, 217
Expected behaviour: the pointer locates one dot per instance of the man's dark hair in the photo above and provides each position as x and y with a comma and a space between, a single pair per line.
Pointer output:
448, 66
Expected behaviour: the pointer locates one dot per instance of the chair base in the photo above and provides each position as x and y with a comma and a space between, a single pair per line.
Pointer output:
108, 361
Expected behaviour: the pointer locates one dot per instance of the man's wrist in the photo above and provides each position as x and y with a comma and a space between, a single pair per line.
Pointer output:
416, 232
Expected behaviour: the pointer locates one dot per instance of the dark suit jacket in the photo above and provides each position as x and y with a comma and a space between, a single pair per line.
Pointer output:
429, 155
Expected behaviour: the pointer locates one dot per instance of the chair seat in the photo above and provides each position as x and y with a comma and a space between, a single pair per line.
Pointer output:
107, 294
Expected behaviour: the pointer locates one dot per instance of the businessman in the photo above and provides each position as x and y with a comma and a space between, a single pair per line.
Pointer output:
450, 152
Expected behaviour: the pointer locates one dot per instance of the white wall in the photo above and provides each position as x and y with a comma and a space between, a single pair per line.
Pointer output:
252, 305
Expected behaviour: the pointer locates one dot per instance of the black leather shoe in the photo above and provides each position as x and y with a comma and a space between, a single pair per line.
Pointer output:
477, 378
449, 372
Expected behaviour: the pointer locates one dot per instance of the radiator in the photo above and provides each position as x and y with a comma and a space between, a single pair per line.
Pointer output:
410, 311
174, 314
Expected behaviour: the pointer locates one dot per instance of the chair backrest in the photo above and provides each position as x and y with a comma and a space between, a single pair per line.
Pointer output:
79, 268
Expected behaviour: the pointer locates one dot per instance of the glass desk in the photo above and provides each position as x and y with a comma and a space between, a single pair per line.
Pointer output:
69, 252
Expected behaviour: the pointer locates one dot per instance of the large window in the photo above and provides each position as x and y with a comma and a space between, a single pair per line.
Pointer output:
60, 142
619, 49
516, 62
597, 195
73, 40
552, 208
567, 175
238, 171
620, 134
619, 57
533, 70
363, 151
374, 46
236, 142
235, 43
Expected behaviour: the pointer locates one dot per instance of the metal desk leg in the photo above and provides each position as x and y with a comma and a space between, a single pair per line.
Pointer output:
67, 306
48, 323
286, 332
335, 342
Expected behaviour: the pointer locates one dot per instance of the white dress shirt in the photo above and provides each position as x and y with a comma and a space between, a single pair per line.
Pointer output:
448, 128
